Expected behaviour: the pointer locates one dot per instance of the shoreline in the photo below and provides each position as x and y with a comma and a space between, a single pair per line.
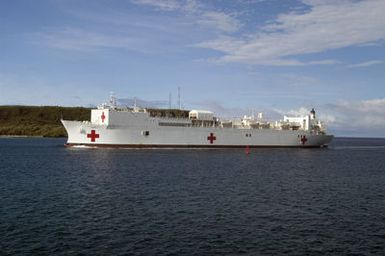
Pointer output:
26, 136
21, 136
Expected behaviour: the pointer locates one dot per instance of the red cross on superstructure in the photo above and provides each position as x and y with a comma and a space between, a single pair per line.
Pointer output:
211, 138
103, 117
93, 135
303, 139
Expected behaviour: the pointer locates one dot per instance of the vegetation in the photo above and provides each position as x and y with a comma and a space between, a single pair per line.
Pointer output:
45, 121
38, 121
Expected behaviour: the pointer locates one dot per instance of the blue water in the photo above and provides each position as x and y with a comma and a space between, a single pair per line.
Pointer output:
73, 201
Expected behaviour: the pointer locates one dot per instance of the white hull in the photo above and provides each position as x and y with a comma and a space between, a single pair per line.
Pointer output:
94, 134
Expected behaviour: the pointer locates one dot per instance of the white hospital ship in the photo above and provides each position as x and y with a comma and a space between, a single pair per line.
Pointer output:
111, 126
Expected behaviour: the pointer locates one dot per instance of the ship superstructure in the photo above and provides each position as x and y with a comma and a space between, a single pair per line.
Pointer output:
136, 127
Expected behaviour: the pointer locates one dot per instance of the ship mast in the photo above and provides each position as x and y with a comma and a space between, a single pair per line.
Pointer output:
179, 104
112, 100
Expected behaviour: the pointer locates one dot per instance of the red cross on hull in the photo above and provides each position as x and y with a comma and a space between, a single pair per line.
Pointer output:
93, 135
303, 139
211, 138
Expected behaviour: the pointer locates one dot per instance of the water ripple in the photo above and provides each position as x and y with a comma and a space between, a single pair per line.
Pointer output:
59, 201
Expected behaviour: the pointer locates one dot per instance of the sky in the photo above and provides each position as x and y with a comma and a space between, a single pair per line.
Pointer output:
228, 56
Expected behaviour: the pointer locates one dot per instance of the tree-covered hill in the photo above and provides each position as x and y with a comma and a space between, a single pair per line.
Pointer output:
38, 121
45, 121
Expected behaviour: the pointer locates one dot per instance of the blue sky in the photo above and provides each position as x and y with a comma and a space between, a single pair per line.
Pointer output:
229, 56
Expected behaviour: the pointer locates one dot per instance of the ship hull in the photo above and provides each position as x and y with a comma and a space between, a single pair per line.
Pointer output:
154, 136
188, 146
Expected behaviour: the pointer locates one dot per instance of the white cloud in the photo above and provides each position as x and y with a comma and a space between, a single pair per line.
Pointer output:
326, 26
324, 62
348, 118
197, 12
78, 39
137, 32
166, 5
82, 40
374, 107
363, 117
367, 64
300, 81
297, 112
219, 20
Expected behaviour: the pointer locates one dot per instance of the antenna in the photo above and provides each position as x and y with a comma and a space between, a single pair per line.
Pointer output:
112, 100
136, 109
169, 100
179, 98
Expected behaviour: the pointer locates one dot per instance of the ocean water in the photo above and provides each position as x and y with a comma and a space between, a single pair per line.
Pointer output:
76, 201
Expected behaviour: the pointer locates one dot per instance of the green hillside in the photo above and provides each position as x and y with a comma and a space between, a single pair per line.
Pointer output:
38, 121
45, 121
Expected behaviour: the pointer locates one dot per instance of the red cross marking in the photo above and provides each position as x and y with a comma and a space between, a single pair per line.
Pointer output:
211, 138
93, 135
103, 117
303, 139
